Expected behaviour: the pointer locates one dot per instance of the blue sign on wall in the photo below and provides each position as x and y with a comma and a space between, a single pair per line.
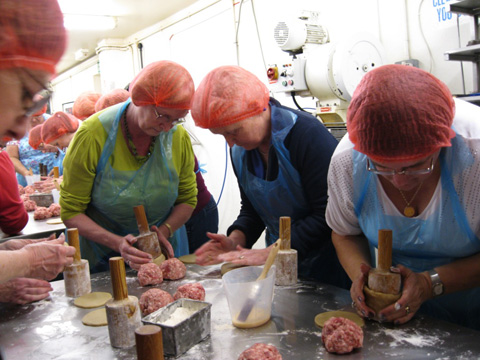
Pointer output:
441, 9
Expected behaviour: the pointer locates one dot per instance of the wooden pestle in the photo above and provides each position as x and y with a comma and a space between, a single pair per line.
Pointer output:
123, 312
382, 279
149, 342
76, 276
287, 258
56, 172
147, 241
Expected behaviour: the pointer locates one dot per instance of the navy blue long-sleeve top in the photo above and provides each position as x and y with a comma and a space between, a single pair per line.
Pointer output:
311, 146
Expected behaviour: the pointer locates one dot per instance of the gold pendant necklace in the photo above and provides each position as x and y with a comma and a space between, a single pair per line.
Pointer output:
409, 211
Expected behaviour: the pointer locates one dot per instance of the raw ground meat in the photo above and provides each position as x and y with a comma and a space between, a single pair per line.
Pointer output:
24, 197
21, 189
30, 205
41, 213
260, 351
341, 335
29, 189
54, 209
194, 291
173, 269
150, 274
154, 299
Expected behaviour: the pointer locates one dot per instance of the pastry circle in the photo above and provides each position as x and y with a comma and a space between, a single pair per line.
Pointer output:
96, 318
188, 259
92, 300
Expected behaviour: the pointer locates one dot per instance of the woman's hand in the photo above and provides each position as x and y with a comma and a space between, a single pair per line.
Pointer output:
17, 244
416, 290
242, 256
165, 245
46, 259
24, 290
356, 292
133, 256
208, 253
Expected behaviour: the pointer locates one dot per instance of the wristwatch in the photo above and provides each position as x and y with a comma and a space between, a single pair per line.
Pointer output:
437, 285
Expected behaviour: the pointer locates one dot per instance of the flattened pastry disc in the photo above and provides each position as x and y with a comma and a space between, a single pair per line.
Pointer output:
96, 318
159, 260
92, 300
229, 266
54, 221
188, 259
322, 317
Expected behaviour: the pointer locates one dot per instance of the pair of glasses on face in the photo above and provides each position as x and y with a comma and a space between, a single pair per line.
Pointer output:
45, 94
167, 118
410, 170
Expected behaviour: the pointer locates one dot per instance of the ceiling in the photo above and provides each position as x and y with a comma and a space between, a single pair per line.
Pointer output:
132, 16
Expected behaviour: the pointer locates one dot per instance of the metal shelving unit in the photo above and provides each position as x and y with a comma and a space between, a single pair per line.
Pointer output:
472, 52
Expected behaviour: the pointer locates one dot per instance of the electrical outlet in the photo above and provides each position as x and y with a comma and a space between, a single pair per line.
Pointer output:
409, 62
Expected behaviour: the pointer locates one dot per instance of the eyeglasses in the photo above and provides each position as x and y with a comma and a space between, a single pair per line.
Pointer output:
167, 118
45, 93
410, 170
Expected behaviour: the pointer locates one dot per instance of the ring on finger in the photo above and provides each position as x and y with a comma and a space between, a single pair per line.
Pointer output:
407, 310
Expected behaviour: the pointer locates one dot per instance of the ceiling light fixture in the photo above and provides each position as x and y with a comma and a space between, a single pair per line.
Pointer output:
89, 22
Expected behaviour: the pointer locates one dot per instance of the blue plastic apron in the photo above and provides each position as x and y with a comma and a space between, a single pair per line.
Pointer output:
283, 196
116, 192
423, 244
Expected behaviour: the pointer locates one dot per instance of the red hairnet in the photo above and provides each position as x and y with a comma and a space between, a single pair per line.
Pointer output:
400, 113
165, 84
226, 95
35, 136
32, 34
84, 105
42, 110
113, 97
58, 125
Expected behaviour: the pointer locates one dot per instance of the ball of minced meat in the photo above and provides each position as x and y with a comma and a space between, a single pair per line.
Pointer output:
194, 291
341, 335
150, 274
153, 300
55, 209
29, 189
173, 269
30, 205
41, 213
260, 351
21, 189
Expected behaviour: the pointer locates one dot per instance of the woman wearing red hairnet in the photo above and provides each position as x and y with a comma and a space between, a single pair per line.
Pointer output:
28, 153
32, 41
133, 154
410, 164
280, 157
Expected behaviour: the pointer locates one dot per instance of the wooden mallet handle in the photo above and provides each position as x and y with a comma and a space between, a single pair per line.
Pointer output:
141, 219
149, 342
119, 282
285, 233
72, 235
384, 249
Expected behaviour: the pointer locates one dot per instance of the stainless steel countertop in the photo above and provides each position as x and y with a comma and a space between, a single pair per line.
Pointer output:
52, 328
35, 229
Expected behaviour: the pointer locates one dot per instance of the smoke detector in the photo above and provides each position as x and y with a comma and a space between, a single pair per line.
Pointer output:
81, 54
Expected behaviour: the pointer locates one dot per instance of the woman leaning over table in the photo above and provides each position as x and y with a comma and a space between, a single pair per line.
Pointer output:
133, 154
411, 164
